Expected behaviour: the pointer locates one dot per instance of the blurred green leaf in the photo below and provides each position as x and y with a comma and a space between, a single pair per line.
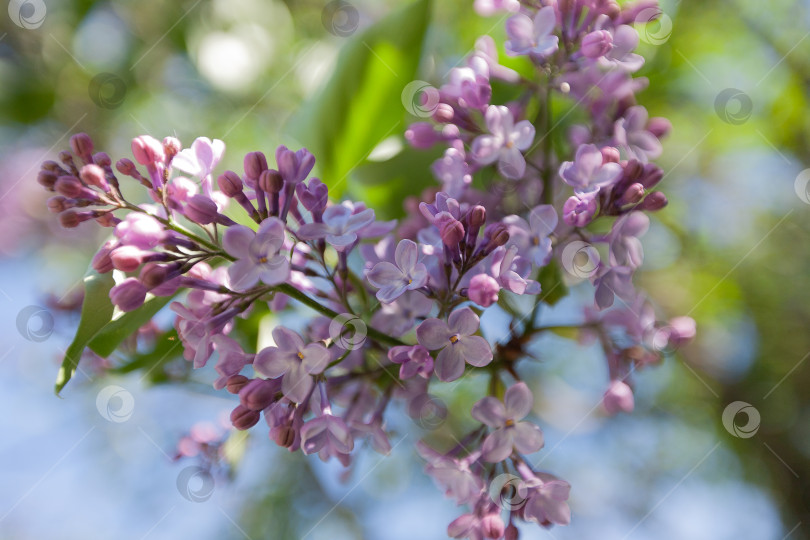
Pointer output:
97, 310
113, 333
553, 287
361, 103
161, 353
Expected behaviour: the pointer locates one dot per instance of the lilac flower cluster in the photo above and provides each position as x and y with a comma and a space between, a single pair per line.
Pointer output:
270, 236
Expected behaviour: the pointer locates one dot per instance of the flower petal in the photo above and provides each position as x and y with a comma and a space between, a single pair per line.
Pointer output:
497, 446
475, 350
490, 411
237, 239
463, 321
518, 400
527, 437
316, 358
406, 255
449, 364
433, 334
296, 383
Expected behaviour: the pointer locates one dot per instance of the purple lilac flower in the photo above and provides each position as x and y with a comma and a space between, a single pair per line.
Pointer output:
612, 282
486, 8
532, 36
547, 500
456, 343
618, 398
413, 361
505, 417
257, 253
405, 274
533, 236
453, 475
511, 271
232, 359
483, 290
632, 136
400, 316
580, 209
621, 55
453, 172
326, 434
504, 143
200, 160
625, 246
339, 228
588, 172
294, 166
292, 360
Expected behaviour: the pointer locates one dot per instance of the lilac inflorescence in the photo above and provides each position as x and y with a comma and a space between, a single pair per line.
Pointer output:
410, 294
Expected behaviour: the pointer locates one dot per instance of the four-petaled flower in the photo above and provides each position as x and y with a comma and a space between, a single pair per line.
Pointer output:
536, 37
394, 279
200, 160
292, 360
587, 172
257, 253
505, 142
505, 417
456, 343
339, 227
328, 435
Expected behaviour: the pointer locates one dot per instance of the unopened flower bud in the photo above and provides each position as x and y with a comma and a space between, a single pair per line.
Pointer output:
492, 526
258, 394
93, 175
125, 166
230, 184
597, 43
128, 295
57, 204
660, 127
511, 533
47, 179
171, 146
102, 263
654, 201
255, 163
82, 146
148, 150
632, 195
478, 216
421, 135
243, 418
483, 290
450, 229
102, 159
69, 186
270, 181
127, 258
235, 383
618, 397
284, 436
443, 114
201, 209
610, 154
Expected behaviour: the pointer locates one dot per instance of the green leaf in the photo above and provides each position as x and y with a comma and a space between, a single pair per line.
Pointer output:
113, 333
553, 287
160, 354
361, 104
97, 310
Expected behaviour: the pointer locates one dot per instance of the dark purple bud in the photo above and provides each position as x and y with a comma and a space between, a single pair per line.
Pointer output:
47, 179
230, 184
270, 181
258, 394
654, 201
69, 186
128, 295
243, 418
450, 229
597, 43
93, 175
652, 175
82, 146
495, 235
294, 166
102, 159
633, 170
53, 167
511, 533
478, 216
201, 209
255, 163
235, 383
284, 436
125, 166
57, 204
102, 263
107, 219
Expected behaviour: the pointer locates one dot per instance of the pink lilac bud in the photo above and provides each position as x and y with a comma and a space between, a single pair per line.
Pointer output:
230, 184
102, 262
483, 290
93, 175
422, 135
660, 127
128, 295
492, 526
511, 533
243, 418
127, 258
633, 195
258, 394
443, 114
148, 150
172, 147
82, 146
235, 383
610, 155
450, 229
107, 219
255, 163
654, 201
597, 43
632, 10
618, 398
681, 330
